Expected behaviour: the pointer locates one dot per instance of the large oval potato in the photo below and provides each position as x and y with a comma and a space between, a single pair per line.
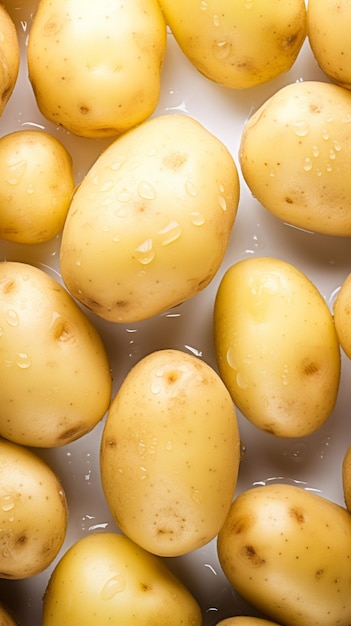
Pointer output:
9, 57
36, 186
108, 576
150, 223
95, 66
276, 346
33, 512
170, 453
238, 44
55, 374
342, 315
287, 551
295, 153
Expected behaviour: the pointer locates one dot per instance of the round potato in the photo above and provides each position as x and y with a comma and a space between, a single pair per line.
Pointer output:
55, 374
95, 66
106, 574
33, 512
276, 346
329, 38
238, 44
149, 225
342, 315
170, 453
9, 57
295, 153
36, 186
246, 621
287, 551
346, 478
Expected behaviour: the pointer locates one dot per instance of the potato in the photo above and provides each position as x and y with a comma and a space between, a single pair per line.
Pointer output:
170, 453
150, 223
6, 618
238, 44
55, 373
95, 67
108, 576
346, 477
33, 512
295, 152
276, 346
329, 38
246, 621
9, 57
36, 186
342, 315
287, 551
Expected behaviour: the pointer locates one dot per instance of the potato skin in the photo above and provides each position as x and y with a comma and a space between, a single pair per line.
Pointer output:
287, 551
294, 155
170, 453
238, 44
33, 512
346, 477
276, 346
6, 618
149, 225
9, 57
55, 374
106, 574
95, 68
342, 315
245, 620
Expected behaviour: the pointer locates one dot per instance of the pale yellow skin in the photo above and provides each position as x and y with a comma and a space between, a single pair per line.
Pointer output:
287, 551
149, 225
33, 512
6, 618
243, 620
238, 44
55, 374
36, 186
295, 154
342, 315
276, 346
95, 67
170, 453
108, 576
346, 477
9, 57
329, 37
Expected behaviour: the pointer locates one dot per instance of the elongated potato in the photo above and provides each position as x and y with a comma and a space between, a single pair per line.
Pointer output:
342, 315
276, 346
9, 57
287, 551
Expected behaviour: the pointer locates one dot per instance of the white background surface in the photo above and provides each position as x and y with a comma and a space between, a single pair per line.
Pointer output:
314, 461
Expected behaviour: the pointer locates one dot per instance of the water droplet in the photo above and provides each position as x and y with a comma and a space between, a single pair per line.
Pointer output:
121, 212
231, 358
12, 317
141, 448
146, 191
241, 380
297, 452
23, 360
203, 5
325, 134
169, 445
155, 388
315, 151
222, 203
152, 447
30, 189
17, 170
118, 164
105, 228
307, 166
301, 128
272, 173
337, 146
216, 20
196, 495
170, 233
7, 503
1, 331
329, 167
115, 585
197, 219
145, 252
143, 473
222, 50
332, 155
249, 4
107, 201
190, 189
123, 195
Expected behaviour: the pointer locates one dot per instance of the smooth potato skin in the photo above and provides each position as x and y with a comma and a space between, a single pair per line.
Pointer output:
294, 155
238, 44
346, 478
108, 576
276, 346
33, 513
9, 57
287, 551
342, 315
95, 67
243, 620
149, 225
170, 453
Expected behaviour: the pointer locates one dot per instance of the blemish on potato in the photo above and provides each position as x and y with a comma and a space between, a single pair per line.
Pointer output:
249, 553
319, 574
175, 160
297, 514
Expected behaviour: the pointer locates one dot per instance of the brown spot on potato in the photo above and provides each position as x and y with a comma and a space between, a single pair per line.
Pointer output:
8, 286
289, 200
84, 109
172, 377
249, 553
298, 514
319, 574
175, 160
145, 587
72, 433
310, 368
62, 331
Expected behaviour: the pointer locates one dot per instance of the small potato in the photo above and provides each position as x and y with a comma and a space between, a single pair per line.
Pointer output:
149, 225
295, 156
108, 576
238, 44
170, 453
342, 315
95, 67
246, 621
9, 57
54, 370
36, 186
287, 551
329, 37
33, 512
346, 478
276, 346
6, 618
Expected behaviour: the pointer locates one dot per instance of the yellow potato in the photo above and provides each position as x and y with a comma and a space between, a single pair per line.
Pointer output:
342, 315
276, 346
55, 374
95, 66
149, 225
6, 618
246, 621
295, 153
238, 44
329, 37
108, 576
33, 512
170, 453
287, 551
36, 186
9, 57
346, 478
